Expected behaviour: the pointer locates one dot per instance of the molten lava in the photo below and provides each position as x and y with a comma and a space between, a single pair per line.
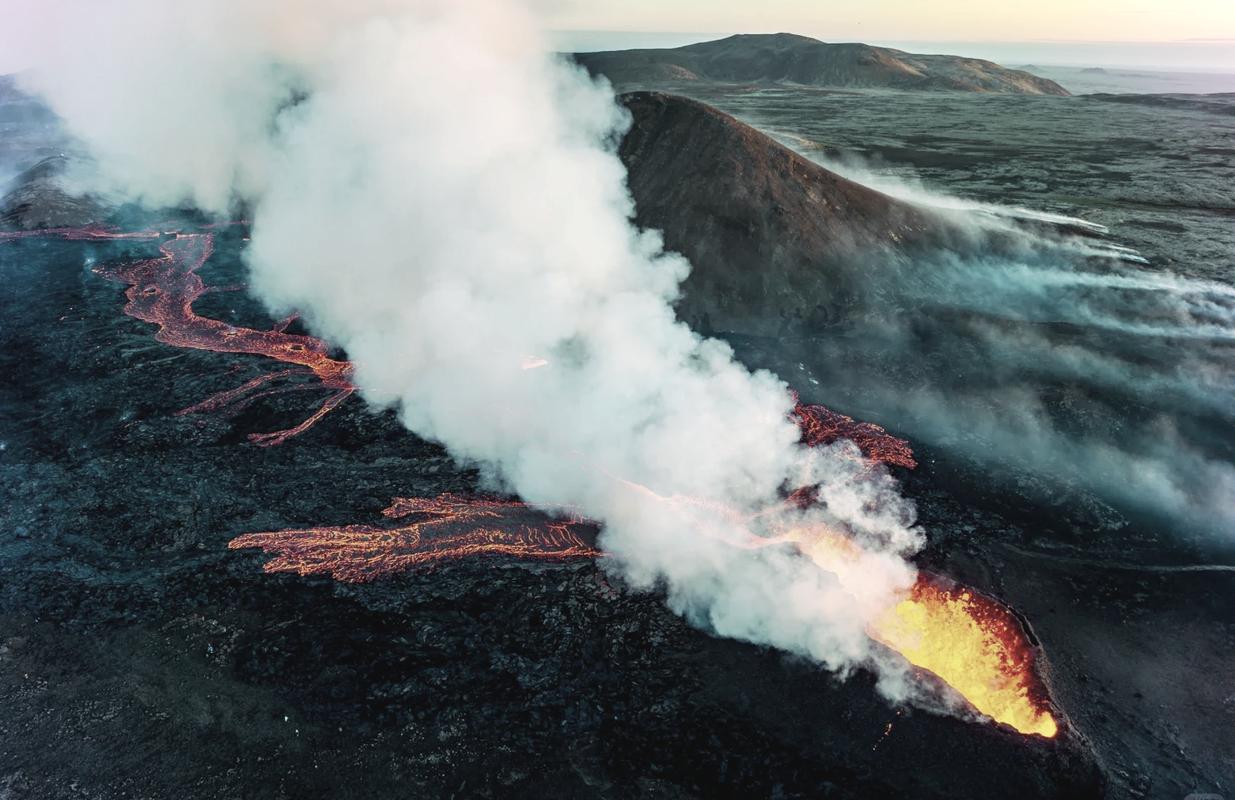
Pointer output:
821, 426
162, 291
969, 641
90, 233
976, 646
434, 530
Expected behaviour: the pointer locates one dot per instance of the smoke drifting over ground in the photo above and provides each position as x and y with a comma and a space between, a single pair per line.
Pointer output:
1069, 356
440, 198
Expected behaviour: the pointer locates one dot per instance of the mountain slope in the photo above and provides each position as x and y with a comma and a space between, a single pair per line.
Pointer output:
777, 242
36, 200
788, 58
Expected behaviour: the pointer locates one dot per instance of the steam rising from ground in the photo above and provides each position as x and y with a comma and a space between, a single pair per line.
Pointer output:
1069, 357
441, 198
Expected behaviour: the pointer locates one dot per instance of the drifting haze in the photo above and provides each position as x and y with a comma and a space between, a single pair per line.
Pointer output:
442, 200
1069, 358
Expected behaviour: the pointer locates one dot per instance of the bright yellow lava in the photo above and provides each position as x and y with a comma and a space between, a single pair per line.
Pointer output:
974, 645
971, 642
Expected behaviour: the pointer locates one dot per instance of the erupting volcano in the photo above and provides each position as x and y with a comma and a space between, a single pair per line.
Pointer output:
976, 646
970, 641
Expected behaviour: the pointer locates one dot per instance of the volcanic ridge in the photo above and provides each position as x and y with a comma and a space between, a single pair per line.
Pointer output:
777, 243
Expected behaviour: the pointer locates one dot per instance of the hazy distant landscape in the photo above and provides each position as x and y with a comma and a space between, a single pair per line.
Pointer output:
790, 59
1082, 68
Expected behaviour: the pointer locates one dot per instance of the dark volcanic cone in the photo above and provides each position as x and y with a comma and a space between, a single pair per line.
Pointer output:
778, 243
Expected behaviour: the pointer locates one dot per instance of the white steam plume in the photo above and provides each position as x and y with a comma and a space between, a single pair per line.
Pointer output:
440, 197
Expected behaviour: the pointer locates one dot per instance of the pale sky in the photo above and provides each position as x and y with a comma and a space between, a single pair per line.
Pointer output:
910, 20
1190, 34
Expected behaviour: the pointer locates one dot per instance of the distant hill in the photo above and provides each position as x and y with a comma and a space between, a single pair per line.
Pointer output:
792, 59
777, 242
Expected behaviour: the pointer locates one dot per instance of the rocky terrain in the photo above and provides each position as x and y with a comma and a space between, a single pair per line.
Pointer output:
785, 58
29, 130
1222, 104
140, 657
32, 160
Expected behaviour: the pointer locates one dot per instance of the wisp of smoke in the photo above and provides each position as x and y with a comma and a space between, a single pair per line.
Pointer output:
439, 196
1061, 355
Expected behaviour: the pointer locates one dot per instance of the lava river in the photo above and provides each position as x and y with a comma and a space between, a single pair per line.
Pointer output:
162, 291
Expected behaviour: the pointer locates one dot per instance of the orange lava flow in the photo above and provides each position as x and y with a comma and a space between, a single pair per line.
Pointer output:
821, 425
969, 641
434, 530
162, 291
95, 233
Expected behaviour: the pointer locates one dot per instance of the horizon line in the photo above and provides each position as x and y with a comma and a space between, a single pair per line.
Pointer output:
651, 32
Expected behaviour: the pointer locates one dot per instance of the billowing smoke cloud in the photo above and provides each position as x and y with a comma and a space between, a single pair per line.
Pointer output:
440, 197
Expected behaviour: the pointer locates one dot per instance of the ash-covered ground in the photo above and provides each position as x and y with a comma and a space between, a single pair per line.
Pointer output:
141, 658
